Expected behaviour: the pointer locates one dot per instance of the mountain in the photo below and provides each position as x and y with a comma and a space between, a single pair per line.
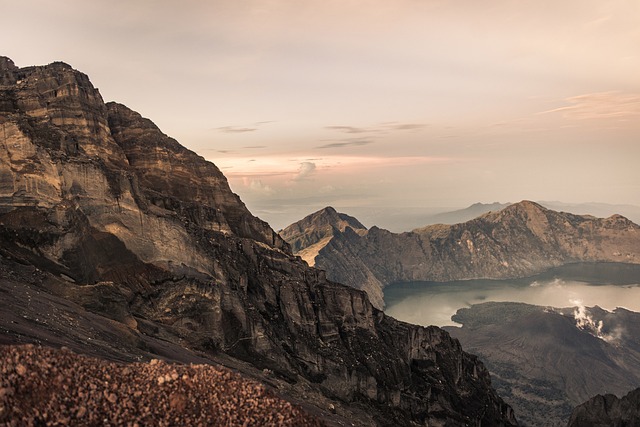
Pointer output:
518, 241
325, 223
118, 242
311, 236
608, 410
603, 210
464, 215
545, 361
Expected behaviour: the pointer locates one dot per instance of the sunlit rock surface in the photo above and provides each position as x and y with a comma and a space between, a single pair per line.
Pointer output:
119, 242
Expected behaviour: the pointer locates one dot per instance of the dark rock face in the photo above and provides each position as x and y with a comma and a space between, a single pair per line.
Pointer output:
113, 215
521, 240
546, 361
608, 411
322, 232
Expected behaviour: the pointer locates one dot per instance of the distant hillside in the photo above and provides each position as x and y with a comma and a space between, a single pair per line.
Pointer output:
545, 361
608, 410
600, 210
464, 215
520, 240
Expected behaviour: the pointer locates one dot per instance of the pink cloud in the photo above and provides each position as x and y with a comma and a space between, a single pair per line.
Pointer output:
600, 105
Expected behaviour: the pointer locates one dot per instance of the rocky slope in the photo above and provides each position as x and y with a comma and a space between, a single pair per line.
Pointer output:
311, 236
545, 361
608, 411
127, 245
38, 387
520, 240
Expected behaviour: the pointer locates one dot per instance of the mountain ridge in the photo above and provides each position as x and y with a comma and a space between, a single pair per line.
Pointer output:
608, 410
522, 239
102, 212
464, 215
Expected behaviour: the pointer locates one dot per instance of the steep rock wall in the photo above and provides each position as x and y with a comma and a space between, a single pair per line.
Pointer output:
122, 219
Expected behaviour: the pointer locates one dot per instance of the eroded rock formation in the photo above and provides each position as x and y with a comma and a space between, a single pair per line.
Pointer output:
608, 411
110, 213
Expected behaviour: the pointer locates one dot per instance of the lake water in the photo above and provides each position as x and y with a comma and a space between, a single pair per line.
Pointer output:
608, 285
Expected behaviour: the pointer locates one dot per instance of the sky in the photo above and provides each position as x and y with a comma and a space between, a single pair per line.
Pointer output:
381, 106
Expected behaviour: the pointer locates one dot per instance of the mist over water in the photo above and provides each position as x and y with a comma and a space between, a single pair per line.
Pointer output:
607, 285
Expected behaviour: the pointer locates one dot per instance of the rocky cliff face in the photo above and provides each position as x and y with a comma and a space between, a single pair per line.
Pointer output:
109, 213
521, 240
608, 411
322, 232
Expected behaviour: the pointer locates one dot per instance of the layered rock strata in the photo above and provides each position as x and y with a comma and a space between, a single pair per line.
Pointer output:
121, 219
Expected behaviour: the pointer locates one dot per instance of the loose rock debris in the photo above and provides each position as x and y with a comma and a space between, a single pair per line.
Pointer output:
44, 386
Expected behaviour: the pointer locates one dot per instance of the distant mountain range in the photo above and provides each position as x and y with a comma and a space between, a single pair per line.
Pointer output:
406, 218
545, 361
600, 210
520, 240
463, 215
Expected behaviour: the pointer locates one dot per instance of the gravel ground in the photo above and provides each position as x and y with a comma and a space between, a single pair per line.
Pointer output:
43, 386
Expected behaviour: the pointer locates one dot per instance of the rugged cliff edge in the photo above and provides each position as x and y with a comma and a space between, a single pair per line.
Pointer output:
608, 411
100, 210
520, 240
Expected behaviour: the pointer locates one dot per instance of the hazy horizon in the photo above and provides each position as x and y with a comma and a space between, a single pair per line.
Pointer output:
378, 106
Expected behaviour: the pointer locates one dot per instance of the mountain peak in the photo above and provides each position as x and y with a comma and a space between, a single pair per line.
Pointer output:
329, 216
329, 211
7, 71
528, 204
525, 208
7, 64
319, 227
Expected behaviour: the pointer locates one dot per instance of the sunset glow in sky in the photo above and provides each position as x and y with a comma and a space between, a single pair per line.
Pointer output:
368, 104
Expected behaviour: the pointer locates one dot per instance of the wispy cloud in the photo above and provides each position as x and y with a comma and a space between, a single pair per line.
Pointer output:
235, 129
243, 129
350, 129
303, 167
382, 128
347, 143
405, 126
600, 105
